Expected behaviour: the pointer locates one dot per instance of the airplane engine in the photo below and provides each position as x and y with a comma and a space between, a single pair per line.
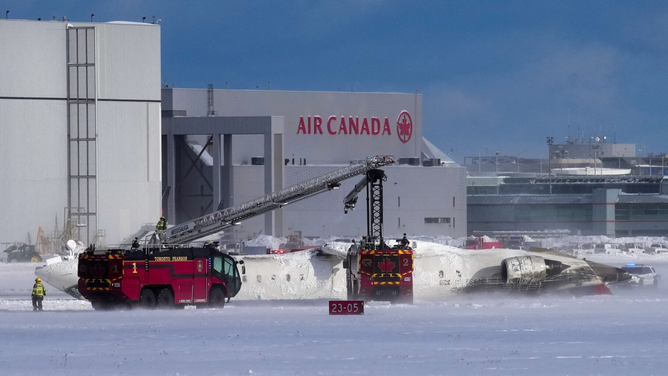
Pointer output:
525, 270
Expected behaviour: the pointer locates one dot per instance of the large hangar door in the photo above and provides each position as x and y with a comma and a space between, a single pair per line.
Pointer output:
81, 133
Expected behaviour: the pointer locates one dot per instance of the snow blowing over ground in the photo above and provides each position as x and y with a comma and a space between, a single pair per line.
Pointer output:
461, 334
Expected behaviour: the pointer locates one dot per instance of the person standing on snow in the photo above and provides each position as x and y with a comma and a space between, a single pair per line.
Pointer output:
38, 294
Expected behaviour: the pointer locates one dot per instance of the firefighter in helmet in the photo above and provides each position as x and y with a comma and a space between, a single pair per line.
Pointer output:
160, 227
162, 224
38, 294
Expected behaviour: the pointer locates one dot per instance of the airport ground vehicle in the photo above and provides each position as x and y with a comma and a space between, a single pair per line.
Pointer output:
374, 270
657, 249
482, 242
607, 248
150, 278
634, 248
294, 243
21, 252
641, 275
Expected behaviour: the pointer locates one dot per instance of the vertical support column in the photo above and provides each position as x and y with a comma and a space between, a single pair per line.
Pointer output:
277, 163
268, 180
216, 172
227, 191
273, 173
171, 171
603, 211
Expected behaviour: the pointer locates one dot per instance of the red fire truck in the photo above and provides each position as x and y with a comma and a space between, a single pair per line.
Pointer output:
158, 277
380, 274
482, 243
376, 271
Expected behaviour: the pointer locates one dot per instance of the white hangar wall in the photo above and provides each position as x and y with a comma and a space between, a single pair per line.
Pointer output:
412, 196
114, 119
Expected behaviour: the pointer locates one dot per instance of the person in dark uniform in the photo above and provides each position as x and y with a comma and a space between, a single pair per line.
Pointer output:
38, 294
404, 241
135, 243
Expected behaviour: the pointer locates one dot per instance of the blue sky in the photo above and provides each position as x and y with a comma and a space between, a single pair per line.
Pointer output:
495, 75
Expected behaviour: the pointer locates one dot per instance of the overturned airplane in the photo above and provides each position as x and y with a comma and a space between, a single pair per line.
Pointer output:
440, 271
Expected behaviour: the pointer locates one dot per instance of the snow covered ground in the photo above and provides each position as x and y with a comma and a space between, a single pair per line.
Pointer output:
621, 334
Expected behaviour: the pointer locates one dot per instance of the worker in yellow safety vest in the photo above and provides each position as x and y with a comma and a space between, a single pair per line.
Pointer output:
160, 227
38, 294
162, 224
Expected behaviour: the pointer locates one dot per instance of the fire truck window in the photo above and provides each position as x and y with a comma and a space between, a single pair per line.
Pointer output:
229, 267
218, 264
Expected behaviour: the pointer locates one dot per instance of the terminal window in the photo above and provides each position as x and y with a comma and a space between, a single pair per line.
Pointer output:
436, 220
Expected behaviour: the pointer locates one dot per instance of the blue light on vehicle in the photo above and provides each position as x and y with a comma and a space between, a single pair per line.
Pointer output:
630, 264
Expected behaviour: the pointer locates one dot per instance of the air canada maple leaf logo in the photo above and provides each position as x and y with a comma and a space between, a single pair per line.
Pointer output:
404, 126
386, 265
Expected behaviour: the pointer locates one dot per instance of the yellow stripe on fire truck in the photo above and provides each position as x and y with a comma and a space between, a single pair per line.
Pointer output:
93, 280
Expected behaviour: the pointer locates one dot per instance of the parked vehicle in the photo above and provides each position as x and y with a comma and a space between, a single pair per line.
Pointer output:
657, 249
21, 252
482, 243
634, 248
607, 248
578, 250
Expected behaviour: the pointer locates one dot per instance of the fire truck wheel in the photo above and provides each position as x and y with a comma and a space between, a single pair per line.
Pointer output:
217, 298
100, 306
147, 298
166, 298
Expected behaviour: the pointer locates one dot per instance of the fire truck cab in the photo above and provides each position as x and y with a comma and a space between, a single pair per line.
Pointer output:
158, 277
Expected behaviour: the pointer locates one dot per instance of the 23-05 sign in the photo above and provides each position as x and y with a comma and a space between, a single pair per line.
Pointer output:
346, 307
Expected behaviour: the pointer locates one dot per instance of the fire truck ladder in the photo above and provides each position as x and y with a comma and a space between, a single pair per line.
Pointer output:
373, 180
226, 218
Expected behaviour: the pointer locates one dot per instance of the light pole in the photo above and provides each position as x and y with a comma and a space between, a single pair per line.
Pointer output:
497, 162
550, 141
517, 159
596, 147
479, 161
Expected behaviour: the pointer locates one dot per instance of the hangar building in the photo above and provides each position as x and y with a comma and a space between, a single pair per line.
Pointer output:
79, 128
306, 134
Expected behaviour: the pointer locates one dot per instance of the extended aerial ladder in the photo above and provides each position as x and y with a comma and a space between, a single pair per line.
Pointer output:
375, 271
218, 221
373, 181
